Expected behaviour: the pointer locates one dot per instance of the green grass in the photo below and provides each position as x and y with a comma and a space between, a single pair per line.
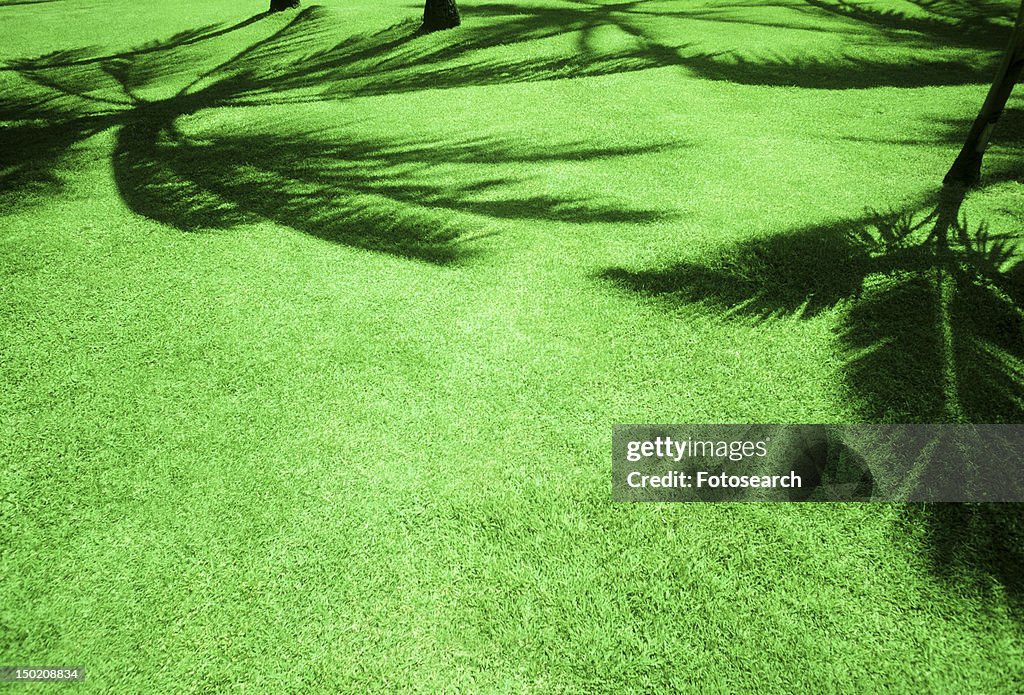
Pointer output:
314, 333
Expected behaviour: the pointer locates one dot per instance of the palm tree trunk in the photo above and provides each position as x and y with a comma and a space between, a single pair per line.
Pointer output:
440, 14
279, 5
966, 168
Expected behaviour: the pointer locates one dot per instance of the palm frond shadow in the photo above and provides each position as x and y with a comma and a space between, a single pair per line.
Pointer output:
38, 135
977, 32
378, 196
949, 132
843, 72
978, 548
965, 24
930, 307
979, 29
931, 329
383, 196
398, 59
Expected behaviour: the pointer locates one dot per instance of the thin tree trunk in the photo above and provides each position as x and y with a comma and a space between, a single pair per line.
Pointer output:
440, 14
966, 168
279, 5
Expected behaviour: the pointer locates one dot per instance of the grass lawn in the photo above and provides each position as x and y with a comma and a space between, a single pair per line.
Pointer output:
314, 330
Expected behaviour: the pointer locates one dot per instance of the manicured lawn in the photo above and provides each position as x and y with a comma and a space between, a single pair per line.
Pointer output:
314, 331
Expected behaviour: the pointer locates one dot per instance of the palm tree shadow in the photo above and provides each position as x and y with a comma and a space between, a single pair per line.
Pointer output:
976, 548
931, 29
931, 313
380, 196
974, 31
930, 309
38, 137
375, 195
802, 273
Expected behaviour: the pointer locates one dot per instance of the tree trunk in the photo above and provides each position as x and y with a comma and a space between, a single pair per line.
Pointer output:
966, 168
279, 5
440, 14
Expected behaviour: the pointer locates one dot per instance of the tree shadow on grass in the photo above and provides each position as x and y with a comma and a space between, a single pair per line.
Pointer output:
930, 308
977, 548
37, 137
843, 72
382, 196
398, 59
974, 32
967, 23
941, 43
931, 330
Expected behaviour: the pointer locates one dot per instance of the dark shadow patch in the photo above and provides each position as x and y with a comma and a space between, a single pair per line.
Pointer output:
378, 196
974, 548
932, 308
846, 72
37, 136
803, 274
